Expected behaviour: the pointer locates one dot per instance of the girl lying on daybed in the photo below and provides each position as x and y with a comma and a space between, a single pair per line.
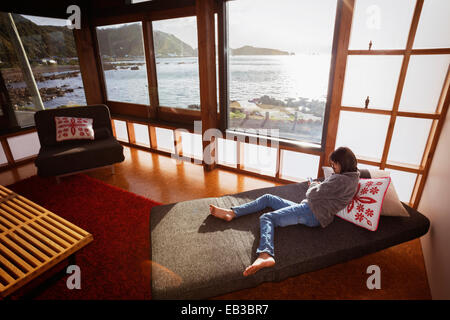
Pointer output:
323, 201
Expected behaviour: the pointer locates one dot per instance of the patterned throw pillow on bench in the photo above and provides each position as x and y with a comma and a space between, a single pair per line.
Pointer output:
69, 128
364, 209
392, 205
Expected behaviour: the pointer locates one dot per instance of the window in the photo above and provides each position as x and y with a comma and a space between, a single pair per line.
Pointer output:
49, 49
382, 23
432, 31
120, 128
409, 140
3, 159
227, 154
365, 134
121, 49
375, 77
192, 145
279, 64
433, 68
176, 51
24, 146
404, 183
400, 88
298, 166
141, 135
260, 159
165, 139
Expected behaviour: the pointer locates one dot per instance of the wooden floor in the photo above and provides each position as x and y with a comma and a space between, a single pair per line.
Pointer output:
159, 178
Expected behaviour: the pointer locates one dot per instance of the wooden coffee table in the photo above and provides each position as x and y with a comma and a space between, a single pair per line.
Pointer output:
32, 240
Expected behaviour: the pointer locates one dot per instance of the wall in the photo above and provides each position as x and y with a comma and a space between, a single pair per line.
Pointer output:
435, 204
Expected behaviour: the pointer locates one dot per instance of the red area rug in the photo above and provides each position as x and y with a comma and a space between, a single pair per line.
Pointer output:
116, 265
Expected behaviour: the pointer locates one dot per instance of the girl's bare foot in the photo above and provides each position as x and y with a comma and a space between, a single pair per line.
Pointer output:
264, 260
225, 214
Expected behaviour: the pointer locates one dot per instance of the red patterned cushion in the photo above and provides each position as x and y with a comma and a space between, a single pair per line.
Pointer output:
69, 128
365, 208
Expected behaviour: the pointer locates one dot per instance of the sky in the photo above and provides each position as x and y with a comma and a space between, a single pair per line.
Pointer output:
288, 25
183, 28
46, 21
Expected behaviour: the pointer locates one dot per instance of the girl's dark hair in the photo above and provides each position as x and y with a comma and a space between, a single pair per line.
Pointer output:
346, 158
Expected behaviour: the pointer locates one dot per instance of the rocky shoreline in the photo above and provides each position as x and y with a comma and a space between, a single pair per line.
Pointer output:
20, 97
122, 65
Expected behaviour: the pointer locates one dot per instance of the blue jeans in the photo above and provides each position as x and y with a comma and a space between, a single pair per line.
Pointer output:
285, 213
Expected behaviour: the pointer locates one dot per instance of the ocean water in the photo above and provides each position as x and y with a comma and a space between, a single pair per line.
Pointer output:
280, 77
250, 77
76, 97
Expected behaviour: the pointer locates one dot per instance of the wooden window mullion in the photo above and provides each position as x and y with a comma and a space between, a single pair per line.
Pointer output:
344, 18
150, 60
401, 81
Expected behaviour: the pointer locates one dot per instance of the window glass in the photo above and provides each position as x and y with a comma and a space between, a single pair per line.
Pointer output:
176, 50
3, 159
165, 139
365, 134
419, 95
24, 146
49, 48
121, 130
409, 140
404, 183
375, 77
227, 152
141, 134
433, 30
192, 145
367, 166
384, 23
122, 54
260, 159
279, 64
298, 166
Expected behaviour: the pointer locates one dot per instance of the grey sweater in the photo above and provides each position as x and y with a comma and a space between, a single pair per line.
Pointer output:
327, 198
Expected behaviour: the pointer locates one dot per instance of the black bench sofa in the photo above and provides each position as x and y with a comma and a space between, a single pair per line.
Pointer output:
72, 156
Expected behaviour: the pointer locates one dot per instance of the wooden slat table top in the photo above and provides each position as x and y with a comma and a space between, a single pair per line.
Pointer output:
32, 240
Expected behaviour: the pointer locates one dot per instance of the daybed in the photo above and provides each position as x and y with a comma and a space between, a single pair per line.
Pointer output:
204, 257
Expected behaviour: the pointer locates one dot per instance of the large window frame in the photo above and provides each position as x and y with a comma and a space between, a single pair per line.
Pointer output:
34, 69
299, 145
437, 117
154, 112
165, 116
155, 115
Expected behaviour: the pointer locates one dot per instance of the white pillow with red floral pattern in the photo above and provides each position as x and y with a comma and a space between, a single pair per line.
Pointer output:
365, 208
70, 128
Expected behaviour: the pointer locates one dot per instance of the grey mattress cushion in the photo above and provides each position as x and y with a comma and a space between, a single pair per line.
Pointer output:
197, 256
